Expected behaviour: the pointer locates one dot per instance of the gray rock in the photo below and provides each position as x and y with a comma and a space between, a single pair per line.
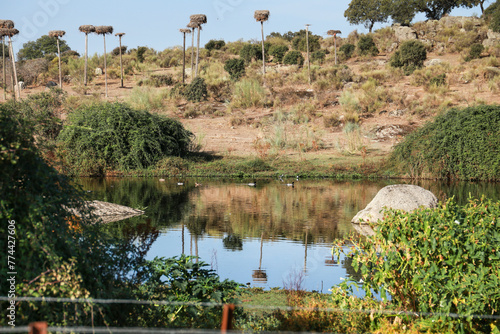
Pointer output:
404, 33
400, 196
433, 62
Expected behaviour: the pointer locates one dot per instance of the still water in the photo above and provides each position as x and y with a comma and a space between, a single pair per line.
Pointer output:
270, 235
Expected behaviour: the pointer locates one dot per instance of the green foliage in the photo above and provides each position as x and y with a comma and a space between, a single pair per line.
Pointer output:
460, 144
42, 47
475, 51
181, 280
318, 56
293, 58
410, 56
196, 91
442, 260
366, 46
278, 52
248, 93
347, 50
158, 80
114, 136
299, 42
492, 13
215, 44
141, 50
235, 68
251, 52
116, 51
367, 12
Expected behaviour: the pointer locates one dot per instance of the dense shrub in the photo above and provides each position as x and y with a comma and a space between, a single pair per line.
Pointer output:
366, 46
215, 44
235, 68
300, 43
492, 14
475, 51
443, 260
347, 50
318, 56
141, 51
158, 80
196, 91
278, 52
116, 51
251, 52
114, 136
438, 80
460, 144
293, 58
410, 56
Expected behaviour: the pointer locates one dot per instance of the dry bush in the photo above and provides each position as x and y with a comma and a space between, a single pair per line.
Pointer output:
30, 70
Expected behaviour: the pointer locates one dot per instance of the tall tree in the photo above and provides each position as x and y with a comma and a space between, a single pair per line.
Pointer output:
367, 12
43, 46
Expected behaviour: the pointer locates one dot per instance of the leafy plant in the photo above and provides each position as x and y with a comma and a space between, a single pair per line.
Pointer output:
196, 91
114, 136
318, 56
253, 52
215, 44
366, 46
293, 58
348, 50
459, 144
442, 261
235, 68
475, 51
438, 80
278, 52
410, 56
248, 93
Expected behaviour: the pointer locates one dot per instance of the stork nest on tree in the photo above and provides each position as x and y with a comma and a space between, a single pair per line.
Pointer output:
333, 32
6, 24
185, 31
104, 30
193, 25
87, 29
120, 34
199, 19
261, 15
57, 33
8, 32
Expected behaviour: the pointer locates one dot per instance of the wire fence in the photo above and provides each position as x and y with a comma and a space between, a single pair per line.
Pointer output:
226, 321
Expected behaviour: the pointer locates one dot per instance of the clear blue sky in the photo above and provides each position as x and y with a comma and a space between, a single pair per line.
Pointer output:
156, 23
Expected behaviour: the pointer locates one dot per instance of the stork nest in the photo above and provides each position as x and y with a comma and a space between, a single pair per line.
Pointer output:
193, 25
104, 30
120, 34
261, 15
333, 32
198, 18
57, 33
87, 29
6, 24
8, 32
185, 31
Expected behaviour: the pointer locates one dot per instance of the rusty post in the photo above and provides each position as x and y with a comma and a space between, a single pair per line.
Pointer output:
39, 327
227, 317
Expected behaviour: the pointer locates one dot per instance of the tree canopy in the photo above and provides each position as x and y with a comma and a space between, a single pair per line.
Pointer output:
367, 12
43, 46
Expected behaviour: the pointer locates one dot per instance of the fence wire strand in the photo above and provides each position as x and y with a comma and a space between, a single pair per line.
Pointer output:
245, 306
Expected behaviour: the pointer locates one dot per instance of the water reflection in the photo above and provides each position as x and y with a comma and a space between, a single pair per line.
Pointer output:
281, 229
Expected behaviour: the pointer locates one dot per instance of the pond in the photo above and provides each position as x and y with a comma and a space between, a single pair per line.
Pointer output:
268, 235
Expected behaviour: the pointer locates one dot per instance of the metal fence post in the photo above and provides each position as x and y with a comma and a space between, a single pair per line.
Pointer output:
39, 327
227, 317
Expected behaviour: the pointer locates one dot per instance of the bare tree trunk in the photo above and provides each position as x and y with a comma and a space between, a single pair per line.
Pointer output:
198, 51
86, 59
59, 56
121, 62
192, 55
184, 70
15, 85
263, 49
105, 67
3, 65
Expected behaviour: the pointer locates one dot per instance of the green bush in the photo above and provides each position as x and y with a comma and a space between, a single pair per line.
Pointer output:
492, 15
460, 144
299, 43
443, 261
215, 44
410, 56
293, 58
475, 51
251, 52
196, 91
347, 50
114, 136
318, 56
116, 51
235, 68
366, 46
141, 50
438, 80
158, 80
278, 52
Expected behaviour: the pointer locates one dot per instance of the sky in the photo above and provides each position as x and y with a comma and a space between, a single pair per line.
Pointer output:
156, 23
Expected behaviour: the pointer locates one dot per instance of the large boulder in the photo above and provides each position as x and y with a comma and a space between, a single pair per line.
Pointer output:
400, 196
403, 33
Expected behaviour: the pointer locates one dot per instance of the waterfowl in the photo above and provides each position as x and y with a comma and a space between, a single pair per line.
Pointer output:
161, 180
253, 184
290, 184
196, 184
180, 183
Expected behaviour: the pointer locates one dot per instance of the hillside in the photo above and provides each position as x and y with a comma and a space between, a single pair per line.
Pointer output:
360, 107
